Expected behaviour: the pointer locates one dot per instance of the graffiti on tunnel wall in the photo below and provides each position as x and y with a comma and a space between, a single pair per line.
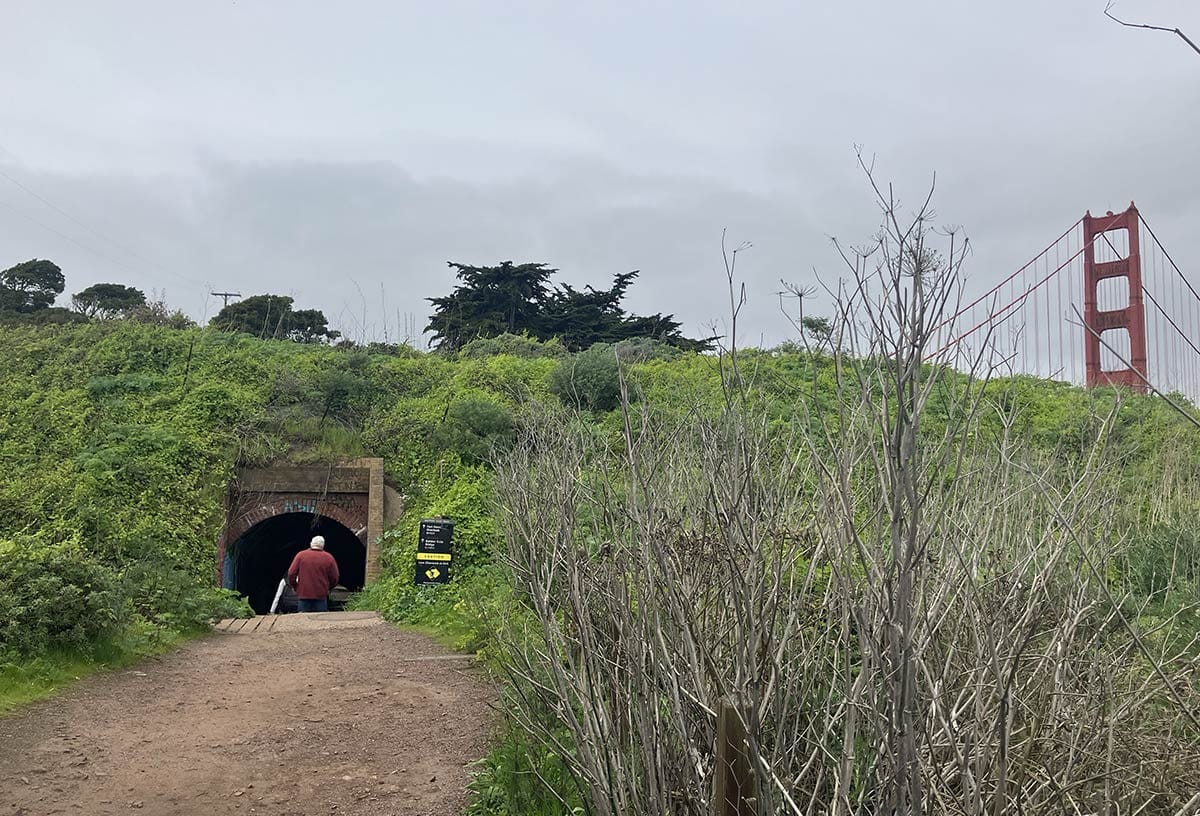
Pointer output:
300, 506
321, 506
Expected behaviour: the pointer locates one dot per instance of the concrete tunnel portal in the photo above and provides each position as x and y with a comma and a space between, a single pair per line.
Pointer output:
272, 513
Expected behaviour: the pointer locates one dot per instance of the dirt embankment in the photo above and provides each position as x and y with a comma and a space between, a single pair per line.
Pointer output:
336, 714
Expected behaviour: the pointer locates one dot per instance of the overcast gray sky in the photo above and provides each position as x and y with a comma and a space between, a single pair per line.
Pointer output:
342, 152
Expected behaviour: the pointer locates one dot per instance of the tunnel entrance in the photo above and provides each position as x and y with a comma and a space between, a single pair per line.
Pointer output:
271, 513
259, 558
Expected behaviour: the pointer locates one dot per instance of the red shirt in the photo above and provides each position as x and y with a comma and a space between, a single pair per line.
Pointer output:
312, 574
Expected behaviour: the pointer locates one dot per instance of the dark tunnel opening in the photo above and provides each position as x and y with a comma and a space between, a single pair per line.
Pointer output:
259, 559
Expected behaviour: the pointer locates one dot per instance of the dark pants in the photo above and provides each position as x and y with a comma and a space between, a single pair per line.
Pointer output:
314, 604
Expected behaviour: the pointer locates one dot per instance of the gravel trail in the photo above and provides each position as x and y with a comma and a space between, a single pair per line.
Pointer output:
335, 713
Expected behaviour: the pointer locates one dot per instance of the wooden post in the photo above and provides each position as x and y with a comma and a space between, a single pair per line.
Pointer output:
733, 779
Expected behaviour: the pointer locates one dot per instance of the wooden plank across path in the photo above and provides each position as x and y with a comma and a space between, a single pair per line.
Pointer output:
298, 622
326, 713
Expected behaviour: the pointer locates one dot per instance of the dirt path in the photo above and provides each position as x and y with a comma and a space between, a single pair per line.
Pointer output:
317, 714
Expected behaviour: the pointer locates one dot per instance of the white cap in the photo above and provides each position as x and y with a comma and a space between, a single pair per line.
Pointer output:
318, 543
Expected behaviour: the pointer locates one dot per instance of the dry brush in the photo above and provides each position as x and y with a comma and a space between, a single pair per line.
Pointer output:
906, 607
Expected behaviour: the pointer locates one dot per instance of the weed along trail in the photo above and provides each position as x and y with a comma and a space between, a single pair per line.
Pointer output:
334, 713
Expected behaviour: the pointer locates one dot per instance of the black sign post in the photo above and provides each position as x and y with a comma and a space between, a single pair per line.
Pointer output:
435, 549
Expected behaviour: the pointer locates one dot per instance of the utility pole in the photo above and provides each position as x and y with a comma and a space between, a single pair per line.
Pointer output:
225, 296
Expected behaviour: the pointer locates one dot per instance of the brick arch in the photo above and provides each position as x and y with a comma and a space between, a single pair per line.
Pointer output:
350, 513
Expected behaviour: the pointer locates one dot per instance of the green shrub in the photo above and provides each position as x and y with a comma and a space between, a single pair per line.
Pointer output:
1163, 557
514, 345
172, 598
457, 610
55, 597
473, 428
590, 379
511, 780
640, 349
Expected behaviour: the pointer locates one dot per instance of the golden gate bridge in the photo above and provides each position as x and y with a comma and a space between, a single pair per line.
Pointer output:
1103, 304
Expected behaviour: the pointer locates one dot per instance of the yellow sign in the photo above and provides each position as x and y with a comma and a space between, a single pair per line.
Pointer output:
433, 556
433, 573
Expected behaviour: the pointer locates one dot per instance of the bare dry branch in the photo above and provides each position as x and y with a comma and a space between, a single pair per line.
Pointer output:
908, 608
1108, 13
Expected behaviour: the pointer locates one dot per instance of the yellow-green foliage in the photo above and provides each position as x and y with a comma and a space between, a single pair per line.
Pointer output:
119, 438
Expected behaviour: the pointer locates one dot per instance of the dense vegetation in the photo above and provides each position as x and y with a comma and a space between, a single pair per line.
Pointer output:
106, 301
28, 292
519, 299
30, 286
273, 317
119, 438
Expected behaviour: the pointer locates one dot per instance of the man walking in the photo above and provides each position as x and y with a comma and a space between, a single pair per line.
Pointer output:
312, 574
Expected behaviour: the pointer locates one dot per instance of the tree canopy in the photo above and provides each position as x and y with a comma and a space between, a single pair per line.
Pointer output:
30, 286
518, 299
106, 300
272, 317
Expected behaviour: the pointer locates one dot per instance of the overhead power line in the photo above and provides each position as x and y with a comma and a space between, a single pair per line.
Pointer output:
66, 237
75, 220
151, 265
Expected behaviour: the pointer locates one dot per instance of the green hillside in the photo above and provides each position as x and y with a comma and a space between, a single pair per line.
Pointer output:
119, 439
